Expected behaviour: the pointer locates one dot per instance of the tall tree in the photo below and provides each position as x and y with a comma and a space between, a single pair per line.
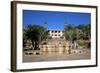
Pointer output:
45, 25
36, 34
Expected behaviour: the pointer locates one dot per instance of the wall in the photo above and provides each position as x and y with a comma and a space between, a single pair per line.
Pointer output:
5, 37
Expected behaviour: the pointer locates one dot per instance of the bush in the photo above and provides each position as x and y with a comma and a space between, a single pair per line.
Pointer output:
84, 43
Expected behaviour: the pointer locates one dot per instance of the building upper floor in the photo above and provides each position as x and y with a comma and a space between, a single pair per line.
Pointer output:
55, 33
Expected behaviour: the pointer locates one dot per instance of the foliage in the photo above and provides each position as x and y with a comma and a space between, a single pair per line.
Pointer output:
36, 34
85, 31
80, 32
83, 43
70, 33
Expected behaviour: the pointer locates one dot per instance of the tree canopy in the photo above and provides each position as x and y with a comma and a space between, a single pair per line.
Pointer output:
35, 33
79, 32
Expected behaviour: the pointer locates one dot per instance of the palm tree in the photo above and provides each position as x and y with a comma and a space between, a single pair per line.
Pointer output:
65, 23
34, 33
71, 36
45, 25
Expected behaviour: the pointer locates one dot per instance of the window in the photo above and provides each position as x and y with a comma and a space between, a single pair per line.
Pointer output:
58, 31
55, 31
58, 34
55, 34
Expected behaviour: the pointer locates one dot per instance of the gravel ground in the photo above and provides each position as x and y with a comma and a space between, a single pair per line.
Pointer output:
77, 54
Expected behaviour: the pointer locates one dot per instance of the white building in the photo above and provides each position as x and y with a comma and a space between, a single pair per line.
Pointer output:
56, 33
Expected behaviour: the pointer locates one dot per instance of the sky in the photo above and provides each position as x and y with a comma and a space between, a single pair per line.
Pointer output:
55, 19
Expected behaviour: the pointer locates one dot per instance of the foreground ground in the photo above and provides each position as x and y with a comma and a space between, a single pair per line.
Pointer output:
77, 54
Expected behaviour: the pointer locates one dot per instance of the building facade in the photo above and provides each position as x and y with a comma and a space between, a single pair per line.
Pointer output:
55, 33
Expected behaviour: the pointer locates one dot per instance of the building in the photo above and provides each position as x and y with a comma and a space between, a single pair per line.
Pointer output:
55, 33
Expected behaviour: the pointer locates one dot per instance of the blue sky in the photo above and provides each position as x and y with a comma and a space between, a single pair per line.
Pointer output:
55, 19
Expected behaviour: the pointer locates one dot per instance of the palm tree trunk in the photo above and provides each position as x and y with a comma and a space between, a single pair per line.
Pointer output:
35, 45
